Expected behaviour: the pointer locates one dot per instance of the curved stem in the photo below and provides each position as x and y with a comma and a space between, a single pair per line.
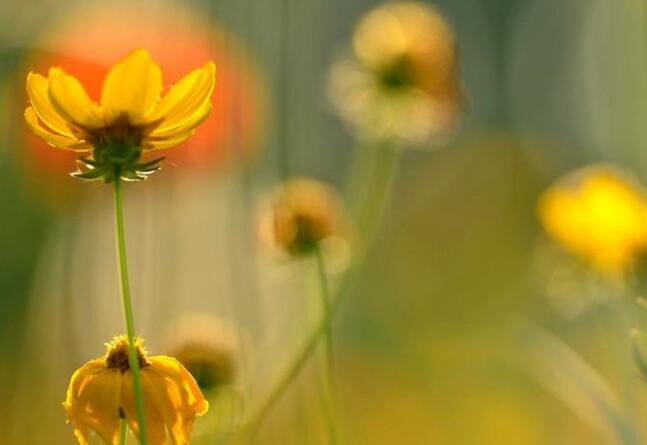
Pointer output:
327, 386
133, 361
123, 432
326, 308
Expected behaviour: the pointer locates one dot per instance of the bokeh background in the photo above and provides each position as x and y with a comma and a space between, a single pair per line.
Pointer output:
464, 318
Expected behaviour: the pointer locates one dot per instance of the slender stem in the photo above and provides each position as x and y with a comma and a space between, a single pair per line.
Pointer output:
133, 360
123, 432
378, 202
327, 386
326, 308
283, 138
379, 192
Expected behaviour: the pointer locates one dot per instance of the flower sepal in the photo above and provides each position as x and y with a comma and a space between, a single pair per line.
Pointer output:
116, 160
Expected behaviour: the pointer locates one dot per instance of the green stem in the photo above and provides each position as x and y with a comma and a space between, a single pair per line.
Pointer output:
133, 360
379, 191
327, 386
123, 432
326, 308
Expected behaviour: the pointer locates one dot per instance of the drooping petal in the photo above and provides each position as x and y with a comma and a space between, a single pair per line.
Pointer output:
155, 424
79, 379
181, 397
172, 369
54, 139
71, 100
37, 90
92, 401
132, 87
185, 98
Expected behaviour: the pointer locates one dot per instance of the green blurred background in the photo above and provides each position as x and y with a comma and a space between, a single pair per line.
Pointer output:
438, 342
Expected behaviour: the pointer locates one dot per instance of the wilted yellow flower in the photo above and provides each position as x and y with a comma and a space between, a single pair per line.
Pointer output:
600, 215
101, 393
130, 118
402, 77
301, 214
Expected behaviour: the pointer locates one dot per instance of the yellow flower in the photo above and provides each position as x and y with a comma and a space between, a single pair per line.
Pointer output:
600, 215
101, 393
131, 117
301, 214
401, 80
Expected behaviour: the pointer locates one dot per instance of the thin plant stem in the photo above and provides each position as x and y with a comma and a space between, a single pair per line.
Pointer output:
378, 201
325, 296
327, 386
379, 192
133, 360
283, 94
123, 432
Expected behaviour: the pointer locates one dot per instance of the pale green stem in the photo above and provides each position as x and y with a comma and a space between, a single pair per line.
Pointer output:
377, 204
326, 310
133, 360
123, 432
327, 386
379, 192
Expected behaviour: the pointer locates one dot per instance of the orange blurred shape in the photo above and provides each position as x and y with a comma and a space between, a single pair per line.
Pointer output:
88, 42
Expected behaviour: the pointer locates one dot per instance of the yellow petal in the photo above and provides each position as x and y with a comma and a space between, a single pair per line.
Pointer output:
93, 401
37, 90
71, 100
173, 369
132, 87
182, 126
78, 380
169, 142
186, 97
155, 424
53, 139
181, 400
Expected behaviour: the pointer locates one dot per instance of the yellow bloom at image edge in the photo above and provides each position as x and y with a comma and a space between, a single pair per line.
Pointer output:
101, 393
599, 215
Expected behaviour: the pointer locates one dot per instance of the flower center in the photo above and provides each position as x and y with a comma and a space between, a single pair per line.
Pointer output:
117, 152
398, 75
117, 355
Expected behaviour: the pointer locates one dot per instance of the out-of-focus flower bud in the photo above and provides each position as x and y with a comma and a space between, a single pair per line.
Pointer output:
301, 214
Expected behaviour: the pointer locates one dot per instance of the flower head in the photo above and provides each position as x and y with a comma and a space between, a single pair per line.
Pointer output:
130, 119
301, 214
598, 214
401, 79
101, 393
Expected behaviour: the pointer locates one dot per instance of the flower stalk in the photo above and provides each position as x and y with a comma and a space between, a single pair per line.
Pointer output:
123, 432
327, 389
129, 317
327, 309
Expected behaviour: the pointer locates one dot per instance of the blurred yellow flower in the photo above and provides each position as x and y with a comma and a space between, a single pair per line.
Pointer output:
598, 214
130, 118
302, 213
402, 77
101, 393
